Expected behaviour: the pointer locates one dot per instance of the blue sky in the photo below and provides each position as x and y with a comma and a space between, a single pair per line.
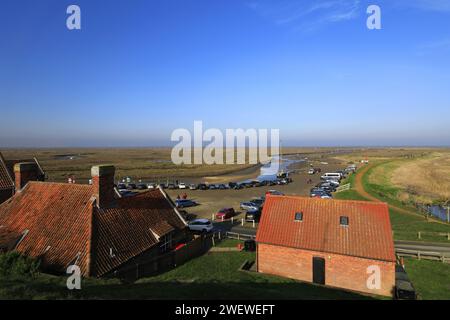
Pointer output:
139, 69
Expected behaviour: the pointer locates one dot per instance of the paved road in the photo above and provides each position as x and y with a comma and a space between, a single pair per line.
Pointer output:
441, 248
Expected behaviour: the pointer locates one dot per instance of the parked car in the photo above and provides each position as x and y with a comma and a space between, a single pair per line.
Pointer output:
253, 215
182, 185
249, 206
202, 186
185, 203
122, 186
332, 175
131, 186
319, 192
259, 202
311, 171
238, 186
192, 187
225, 213
142, 186
212, 187
171, 186
231, 185
151, 186
222, 187
200, 225
275, 193
404, 289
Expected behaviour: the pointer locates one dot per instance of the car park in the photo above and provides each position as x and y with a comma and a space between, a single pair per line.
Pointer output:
225, 213
185, 203
212, 187
311, 171
200, 225
222, 187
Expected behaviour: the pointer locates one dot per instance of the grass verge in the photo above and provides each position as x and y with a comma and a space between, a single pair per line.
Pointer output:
212, 276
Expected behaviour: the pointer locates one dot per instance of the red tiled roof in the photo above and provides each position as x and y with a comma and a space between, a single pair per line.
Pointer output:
64, 224
368, 235
6, 181
57, 216
127, 229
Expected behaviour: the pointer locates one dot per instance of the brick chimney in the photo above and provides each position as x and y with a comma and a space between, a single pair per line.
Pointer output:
24, 172
103, 182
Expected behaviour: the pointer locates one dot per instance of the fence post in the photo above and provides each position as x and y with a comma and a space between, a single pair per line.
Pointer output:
242, 221
213, 241
220, 235
232, 220
418, 255
212, 217
448, 235
253, 223
419, 235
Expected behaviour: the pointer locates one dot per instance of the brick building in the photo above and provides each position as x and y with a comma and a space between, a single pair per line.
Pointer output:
7, 175
328, 242
89, 225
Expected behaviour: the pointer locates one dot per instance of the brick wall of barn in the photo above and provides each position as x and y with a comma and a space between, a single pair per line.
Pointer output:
340, 271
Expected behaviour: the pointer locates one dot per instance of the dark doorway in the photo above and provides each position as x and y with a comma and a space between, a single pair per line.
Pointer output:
318, 270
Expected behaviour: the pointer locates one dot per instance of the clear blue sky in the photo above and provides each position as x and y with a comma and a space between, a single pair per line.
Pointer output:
139, 69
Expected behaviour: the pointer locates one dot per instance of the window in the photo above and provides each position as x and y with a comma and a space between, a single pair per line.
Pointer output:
299, 216
344, 220
165, 243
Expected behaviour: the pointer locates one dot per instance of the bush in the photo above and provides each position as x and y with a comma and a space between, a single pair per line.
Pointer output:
15, 265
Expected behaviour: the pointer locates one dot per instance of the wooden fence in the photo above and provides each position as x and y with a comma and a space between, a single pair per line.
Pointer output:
344, 187
426, 255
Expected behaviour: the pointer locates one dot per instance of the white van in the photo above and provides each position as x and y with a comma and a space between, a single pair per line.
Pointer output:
332, 175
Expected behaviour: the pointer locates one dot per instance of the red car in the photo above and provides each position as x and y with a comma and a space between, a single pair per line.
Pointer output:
225, 213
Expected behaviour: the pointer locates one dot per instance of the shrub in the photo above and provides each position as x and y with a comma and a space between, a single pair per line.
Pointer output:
15, 265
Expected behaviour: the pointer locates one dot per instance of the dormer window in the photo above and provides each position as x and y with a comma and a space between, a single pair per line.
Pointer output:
343, 221
299, 216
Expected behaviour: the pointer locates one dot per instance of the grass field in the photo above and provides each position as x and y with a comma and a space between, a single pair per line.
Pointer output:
405, 226
430, 278
212, 276
350, 194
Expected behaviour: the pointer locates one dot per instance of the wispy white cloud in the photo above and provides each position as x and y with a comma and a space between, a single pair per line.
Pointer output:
307, 15
429, 5
442, 45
